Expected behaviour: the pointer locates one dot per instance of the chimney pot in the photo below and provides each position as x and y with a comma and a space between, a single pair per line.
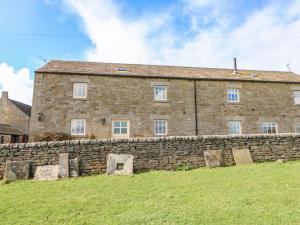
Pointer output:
235, 66
4, 96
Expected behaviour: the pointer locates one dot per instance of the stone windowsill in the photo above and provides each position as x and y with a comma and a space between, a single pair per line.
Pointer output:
81, 99
160, 101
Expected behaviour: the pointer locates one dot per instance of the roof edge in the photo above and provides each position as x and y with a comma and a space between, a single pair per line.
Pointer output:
166, 65
164, 77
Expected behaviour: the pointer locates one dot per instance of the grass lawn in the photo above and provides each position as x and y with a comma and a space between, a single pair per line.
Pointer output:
260, 194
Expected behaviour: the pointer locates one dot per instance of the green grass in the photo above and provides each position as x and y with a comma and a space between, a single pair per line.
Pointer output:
267, 193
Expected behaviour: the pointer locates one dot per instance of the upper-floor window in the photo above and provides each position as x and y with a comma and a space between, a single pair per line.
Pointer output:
160, 92
78, 127
234, 127
269, 127
79, 90
297, 97
233, 95
160, 127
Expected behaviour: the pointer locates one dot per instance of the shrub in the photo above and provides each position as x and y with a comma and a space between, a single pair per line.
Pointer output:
92, 136
183, 168
51, 136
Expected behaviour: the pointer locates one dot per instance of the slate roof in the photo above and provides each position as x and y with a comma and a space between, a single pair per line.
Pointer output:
8, 129
23, 107
160, 71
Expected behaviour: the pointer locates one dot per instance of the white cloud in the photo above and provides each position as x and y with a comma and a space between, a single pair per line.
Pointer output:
17, 83
266, 39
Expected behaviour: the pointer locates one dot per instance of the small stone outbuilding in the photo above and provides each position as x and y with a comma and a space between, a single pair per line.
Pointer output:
14, 120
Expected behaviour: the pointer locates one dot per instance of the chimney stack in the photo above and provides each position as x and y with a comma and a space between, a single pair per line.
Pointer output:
235, 66
4, 97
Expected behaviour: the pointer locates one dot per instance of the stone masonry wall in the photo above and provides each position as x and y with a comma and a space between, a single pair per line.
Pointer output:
152, 153
125, 98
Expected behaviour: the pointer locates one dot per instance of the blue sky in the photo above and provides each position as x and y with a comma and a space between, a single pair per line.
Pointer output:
263, 34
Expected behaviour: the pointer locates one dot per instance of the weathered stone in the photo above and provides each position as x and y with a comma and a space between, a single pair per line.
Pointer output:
74, 167
212, 158
49, 172
281, 161
242, 156
63, 165
119, 164
16, 171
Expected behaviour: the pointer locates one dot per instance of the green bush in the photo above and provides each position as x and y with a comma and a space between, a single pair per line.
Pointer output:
183, 168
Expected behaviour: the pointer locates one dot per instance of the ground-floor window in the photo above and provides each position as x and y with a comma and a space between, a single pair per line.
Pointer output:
120, 128
269, 127
78, 127
297, 127
234, 127
160, 127
1, 139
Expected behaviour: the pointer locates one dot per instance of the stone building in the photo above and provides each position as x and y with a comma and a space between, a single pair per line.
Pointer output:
14, 120
109, 100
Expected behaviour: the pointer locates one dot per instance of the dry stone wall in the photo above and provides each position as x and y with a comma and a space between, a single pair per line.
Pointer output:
152, 153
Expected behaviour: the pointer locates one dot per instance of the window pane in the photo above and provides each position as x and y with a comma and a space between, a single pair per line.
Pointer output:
234, 127
78, 127
269, 127
160, 127
233, 95
160, 92
116, 131
117, 124
79, 90
123, 130
297, 100
123, 124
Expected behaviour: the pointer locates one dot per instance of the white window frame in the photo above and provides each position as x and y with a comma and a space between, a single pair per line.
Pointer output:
120, 135
269, 126
157, 123
74, 124
78, 85
234, 126
296, 95
163, 88
233, 92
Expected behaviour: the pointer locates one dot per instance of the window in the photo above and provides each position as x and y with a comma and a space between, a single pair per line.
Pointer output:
1, 139
160, 127
233, 95
79, 90
297, 127
297, 97
120, 129
78, 127
234, 127
160, 92
269, 127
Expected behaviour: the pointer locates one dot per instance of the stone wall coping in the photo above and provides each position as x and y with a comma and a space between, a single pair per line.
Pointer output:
143, 140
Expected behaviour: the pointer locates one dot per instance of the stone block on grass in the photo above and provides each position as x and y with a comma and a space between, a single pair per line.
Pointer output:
63, 165
242, 156
16, 170
74, 167
212, 158
49, 172
119, 164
